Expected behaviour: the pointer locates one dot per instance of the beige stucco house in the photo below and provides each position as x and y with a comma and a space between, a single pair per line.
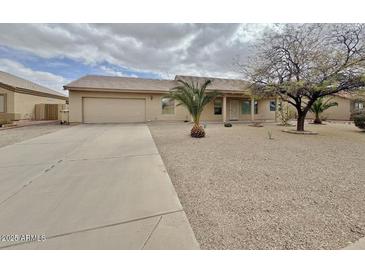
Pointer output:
347, 103
18, 97
108, 99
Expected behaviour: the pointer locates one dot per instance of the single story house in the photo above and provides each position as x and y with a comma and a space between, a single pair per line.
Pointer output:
18, 97
109, 99
347, 103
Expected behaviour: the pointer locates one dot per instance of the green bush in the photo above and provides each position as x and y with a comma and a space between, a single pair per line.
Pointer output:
359, 119
4, 122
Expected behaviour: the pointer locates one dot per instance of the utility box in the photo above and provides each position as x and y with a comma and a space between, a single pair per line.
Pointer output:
64, 115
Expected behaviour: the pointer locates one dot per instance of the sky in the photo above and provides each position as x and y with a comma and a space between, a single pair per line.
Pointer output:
56, 54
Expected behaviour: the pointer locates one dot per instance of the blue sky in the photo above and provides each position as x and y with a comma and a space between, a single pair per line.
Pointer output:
66, 67
55, 54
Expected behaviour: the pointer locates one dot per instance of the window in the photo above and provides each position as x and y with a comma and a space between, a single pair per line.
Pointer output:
218, 107
359, 105
2, 103
272, 105
168, 106
246, 107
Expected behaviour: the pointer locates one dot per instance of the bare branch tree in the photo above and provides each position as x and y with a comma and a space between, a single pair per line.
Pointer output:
304, 62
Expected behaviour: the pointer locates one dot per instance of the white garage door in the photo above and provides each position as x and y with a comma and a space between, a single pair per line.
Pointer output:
113, 110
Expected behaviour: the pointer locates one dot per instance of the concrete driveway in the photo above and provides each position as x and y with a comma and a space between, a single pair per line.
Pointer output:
90, 187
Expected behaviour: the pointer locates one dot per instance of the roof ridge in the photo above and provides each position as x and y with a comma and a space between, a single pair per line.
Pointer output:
125, 77
209, 77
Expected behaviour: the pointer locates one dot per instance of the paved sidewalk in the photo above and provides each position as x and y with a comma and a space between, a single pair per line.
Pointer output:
91, 187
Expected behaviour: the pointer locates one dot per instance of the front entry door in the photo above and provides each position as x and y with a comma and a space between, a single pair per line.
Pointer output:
234, 109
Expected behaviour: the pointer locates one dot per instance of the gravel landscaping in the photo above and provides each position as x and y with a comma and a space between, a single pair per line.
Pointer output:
16, 135
242, 190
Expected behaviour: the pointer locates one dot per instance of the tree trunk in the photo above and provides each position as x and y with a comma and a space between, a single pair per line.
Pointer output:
302, 113
300, 121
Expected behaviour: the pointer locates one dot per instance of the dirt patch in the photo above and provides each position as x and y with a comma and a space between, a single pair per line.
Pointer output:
242, 190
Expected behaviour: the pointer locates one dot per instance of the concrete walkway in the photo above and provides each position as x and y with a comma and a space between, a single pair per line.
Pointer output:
90, 187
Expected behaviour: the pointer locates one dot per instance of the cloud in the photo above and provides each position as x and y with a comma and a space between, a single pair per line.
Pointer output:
112, 72
162, 49
43, 78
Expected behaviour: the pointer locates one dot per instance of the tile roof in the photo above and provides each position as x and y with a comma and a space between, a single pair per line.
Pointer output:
142, 84
351, 95
121, 83
20, 83
219, 84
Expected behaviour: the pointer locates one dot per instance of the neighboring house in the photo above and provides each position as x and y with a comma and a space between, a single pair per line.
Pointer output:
109, 99
347, 103
18, 97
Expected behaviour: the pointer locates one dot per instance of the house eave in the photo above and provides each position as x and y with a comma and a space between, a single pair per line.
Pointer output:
85, 89
31, 92
71, 89
37, 93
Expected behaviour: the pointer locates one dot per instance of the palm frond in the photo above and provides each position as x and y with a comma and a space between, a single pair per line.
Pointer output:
192, 96
320, 106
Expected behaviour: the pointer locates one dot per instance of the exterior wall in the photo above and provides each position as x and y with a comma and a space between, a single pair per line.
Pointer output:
9, 105
153, 105
341, 112
154, 110
208, 113
24, 104
264, 112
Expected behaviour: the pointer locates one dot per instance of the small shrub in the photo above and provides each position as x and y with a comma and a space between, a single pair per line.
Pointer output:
285, 114
359, 118
269, 134
227, 124
4, 122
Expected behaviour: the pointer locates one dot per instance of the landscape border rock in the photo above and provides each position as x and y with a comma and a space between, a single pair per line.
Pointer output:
256, 124
300, 132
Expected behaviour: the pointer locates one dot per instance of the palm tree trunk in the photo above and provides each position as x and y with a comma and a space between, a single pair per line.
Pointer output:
317, 120
197, 131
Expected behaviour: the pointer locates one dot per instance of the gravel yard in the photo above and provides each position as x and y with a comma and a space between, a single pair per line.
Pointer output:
16, 135
242, 190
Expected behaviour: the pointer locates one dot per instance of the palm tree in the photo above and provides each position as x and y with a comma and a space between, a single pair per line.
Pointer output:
194, 98
320, 106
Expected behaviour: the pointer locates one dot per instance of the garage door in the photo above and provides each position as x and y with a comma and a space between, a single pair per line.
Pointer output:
113, 110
